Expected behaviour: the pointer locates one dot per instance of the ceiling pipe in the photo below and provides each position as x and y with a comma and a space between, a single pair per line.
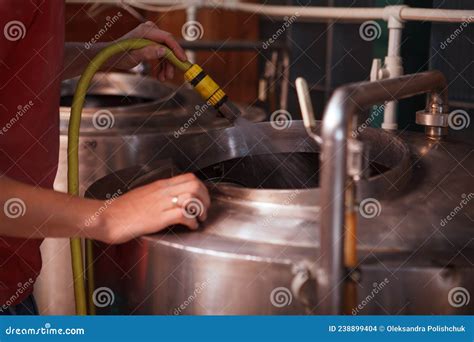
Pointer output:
310, 12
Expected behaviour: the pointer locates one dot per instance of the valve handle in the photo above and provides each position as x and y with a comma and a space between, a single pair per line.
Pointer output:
307, 109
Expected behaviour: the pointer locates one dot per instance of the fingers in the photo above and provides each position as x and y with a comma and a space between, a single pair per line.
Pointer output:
193, 206
195, 189
149, 52
166, 71
191, 193
152, 53
178, 216
169, 70
161, 73
192, 197
150, 31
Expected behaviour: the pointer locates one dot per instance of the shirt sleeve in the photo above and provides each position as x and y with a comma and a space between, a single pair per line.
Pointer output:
16, 17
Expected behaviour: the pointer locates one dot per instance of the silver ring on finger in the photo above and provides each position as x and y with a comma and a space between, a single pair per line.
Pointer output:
175, 200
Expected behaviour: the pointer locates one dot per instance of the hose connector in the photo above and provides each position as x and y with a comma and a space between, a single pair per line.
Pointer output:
210, 92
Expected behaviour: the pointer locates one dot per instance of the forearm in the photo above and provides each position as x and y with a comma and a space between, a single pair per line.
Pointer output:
41, 213
77, 56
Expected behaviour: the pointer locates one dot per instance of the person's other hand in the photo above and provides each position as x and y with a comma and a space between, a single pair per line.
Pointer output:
150, 31
181, 200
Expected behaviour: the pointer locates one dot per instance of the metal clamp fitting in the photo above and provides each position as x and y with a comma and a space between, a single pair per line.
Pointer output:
357, 161
435, 121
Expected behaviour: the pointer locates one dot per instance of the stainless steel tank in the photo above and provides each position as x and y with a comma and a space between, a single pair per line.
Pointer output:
258, 252
120, 110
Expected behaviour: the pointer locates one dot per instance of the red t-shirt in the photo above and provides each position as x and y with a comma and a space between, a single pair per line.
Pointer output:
31, 59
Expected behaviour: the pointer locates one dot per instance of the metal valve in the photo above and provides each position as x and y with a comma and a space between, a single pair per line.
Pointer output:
434, 119
378, 71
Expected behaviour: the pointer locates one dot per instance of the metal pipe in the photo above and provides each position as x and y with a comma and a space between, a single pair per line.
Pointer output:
347, 102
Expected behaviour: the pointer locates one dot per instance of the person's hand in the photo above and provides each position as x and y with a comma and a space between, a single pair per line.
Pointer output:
181, 200
150, 31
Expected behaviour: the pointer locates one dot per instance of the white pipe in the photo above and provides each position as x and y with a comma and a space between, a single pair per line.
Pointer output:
305, 12
393, 62
191, 14
439, 15
172, 6
359, 13
394, 41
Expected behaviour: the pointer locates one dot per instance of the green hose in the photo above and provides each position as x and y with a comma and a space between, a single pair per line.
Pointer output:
73, 156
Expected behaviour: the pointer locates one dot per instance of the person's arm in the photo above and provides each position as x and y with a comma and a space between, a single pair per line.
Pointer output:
32, 212
78, 55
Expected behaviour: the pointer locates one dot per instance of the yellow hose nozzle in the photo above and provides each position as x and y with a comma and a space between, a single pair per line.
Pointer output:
211, 92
